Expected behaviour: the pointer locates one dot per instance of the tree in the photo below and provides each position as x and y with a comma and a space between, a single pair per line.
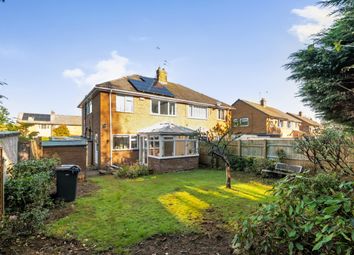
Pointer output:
325, 69
329, 150
62, 130
218, 140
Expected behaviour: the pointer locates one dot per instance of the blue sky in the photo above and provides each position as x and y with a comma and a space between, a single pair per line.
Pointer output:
52, 52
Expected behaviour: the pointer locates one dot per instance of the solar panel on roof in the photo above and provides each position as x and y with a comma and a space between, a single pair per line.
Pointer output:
36, 116
147, 86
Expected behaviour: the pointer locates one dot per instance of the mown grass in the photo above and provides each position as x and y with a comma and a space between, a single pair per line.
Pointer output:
124, 212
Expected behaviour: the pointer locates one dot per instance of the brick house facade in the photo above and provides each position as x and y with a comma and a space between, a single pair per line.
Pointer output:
114, 112
261, 119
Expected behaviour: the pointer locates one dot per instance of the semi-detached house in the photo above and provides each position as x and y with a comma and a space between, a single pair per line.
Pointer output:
147, 120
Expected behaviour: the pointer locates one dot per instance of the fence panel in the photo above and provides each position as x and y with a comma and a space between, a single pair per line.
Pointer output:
287, 145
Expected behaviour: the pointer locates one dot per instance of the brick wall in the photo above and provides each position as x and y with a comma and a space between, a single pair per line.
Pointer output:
68, 155
173, 164
130, 123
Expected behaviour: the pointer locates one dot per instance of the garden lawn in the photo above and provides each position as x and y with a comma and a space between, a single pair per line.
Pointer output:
123, 212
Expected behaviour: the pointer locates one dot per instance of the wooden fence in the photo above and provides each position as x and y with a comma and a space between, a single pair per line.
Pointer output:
261, 148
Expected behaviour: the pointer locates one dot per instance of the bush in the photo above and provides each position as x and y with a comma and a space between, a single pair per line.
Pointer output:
24, 193
132, 171
251, 164
27, 197
308, 216
30, 167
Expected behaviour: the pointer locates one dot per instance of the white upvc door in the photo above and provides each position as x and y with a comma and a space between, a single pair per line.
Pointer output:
143, 149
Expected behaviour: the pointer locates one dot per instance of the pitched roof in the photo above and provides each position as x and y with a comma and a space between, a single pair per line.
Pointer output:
54, 119
67, 120
167, 129
305, 119
179, 91
270, 111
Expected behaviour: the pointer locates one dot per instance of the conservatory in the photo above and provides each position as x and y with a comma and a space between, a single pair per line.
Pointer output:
168, 147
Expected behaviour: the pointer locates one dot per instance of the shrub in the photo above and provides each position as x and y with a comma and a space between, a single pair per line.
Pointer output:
132, 171
30, 167
308, 216
251, 164
256, 165
27, 197
27, 192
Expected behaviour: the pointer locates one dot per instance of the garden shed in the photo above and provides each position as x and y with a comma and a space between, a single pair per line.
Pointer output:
168, 147
68, 150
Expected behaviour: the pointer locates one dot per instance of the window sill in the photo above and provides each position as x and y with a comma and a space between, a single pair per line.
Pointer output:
163, 115
124, 150
195, 118
172, 157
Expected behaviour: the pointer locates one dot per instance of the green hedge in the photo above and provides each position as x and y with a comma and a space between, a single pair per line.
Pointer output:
251, 164
309, 215
27, 197
132, 171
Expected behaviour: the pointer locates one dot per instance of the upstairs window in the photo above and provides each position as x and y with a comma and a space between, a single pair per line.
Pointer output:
124, 103
235, 122
163, 107
244, 122
221, 114
88, 107
280, 123
197, 112
290, 124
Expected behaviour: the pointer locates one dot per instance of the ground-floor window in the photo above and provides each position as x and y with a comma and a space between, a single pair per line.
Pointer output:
172, 146
125, 142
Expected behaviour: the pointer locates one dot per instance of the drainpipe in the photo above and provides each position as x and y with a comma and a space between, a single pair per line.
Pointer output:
110, 127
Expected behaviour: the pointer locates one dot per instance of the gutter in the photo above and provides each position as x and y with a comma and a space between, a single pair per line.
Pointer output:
151, 96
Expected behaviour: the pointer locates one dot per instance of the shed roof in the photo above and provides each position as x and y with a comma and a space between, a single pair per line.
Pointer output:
167, 129
9, 133
65, 142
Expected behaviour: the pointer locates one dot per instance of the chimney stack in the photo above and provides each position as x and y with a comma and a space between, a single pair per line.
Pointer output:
263, 102
300, 113
161, 76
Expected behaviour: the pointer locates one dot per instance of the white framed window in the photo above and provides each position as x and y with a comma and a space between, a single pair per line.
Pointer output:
125, 142
244, 122
163, 107
172, 146
197, 112
88, 107
221, 114
289, 124
235, 122
124, 103
280, 123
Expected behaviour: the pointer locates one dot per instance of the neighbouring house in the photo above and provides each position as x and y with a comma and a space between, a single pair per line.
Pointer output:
9, 148
150, 120
45, 123
263, 120
307, 125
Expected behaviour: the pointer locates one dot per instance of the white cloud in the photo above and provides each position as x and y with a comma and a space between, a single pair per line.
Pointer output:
105, 70
314, 19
